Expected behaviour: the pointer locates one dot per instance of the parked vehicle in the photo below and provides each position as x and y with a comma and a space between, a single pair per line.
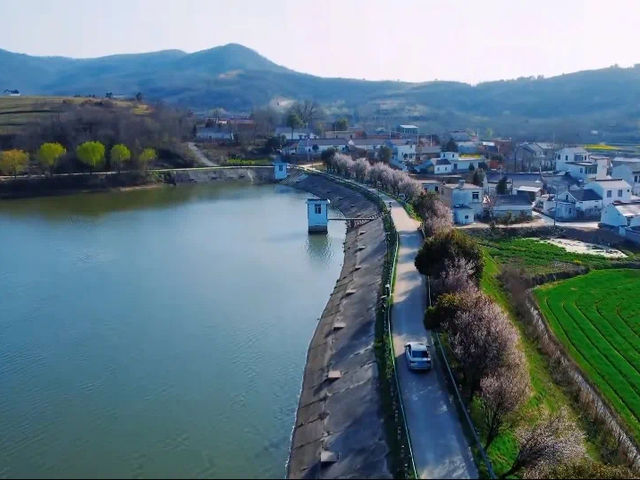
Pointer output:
418, 356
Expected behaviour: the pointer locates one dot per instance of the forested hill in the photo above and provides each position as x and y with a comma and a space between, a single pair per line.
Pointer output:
238, 79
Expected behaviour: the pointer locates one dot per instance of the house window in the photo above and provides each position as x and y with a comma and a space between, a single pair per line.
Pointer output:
566, 158
318, 209
608, 193
476, 196
619, 193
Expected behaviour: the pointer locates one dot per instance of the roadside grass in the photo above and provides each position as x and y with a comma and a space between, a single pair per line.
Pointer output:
597, 318
541, 258
241, 162
546, 395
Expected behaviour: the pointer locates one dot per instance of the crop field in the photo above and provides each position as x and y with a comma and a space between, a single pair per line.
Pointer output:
597, 318
537, 257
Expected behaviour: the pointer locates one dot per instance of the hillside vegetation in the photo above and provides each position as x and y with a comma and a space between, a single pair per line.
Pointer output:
236, 78
28, 122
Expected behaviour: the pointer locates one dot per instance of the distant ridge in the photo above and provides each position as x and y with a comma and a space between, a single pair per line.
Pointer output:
238, 79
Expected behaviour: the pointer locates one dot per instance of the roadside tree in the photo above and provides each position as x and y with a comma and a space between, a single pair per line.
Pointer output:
119, 155
501, 393
449, 245
384, 154
48, 155
13, 162
91, 154
549, 444
147, 156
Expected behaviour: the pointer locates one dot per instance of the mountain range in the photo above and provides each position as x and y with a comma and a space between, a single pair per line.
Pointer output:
589, 105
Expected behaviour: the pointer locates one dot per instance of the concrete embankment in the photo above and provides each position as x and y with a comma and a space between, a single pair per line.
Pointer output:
343, 417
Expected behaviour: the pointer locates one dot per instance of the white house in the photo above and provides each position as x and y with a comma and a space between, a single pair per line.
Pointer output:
318, 215
577, 203
581, 170
514, 205
627, 169
570, 154
431, 185
295, 134
461, 163
438, 166
462, 198
213, 134
316, 146
611, 190
402, 152
621, 215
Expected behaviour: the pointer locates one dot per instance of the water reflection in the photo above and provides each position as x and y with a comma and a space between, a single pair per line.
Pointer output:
97, 204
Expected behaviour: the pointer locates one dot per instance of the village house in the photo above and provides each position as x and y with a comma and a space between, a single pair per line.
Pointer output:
403, 151
407, 130
611, 190
621, 215
316, 146
627, 169
465, 201
582, 203
502, 206
570, 155
295, 134
534, 156
214, 135
431, 185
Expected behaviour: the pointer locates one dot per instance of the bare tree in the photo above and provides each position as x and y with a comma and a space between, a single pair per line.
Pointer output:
362, 168
554, 441
502, 392
458, 276
481, 338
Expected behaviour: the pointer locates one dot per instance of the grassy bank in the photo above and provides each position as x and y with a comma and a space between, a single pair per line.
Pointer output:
547, 396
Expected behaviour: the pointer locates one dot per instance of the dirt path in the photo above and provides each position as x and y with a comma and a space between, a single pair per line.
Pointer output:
202, 158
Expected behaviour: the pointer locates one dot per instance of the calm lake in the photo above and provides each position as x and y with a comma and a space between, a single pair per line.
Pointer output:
157, 333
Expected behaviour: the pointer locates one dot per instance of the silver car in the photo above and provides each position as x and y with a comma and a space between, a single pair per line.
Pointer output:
418, 356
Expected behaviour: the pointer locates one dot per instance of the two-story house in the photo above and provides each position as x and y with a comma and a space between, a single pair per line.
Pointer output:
465, 201
627, 169
611, 190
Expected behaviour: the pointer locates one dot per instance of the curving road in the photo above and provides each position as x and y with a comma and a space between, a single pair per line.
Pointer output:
440, 448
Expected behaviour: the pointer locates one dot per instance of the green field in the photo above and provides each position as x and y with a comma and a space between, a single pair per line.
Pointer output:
538, 258
597, 318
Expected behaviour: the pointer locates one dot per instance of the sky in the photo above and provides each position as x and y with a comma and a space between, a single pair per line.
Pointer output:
410, 40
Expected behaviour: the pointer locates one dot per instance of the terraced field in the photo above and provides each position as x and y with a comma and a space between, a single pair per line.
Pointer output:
597, 317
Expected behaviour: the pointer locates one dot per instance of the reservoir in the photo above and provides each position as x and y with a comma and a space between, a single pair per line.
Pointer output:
157, 333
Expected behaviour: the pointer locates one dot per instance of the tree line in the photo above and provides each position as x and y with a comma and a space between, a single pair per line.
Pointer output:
377, 174
91, 154
489, 359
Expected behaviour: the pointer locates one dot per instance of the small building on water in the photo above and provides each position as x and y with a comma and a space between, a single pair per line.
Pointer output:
280, 170
318, 214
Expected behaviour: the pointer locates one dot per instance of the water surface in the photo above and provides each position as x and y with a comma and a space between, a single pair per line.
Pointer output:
157, 333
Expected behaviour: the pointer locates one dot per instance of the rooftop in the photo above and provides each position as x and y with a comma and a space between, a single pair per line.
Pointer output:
512, 200
585, 195
628, 209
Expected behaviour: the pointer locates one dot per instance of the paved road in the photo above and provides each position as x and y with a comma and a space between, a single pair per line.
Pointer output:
202, 158
439, 445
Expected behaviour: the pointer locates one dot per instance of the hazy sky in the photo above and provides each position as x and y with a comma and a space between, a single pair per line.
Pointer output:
414, 40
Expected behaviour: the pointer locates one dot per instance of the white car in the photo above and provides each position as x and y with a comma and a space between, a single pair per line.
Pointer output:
418, 356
